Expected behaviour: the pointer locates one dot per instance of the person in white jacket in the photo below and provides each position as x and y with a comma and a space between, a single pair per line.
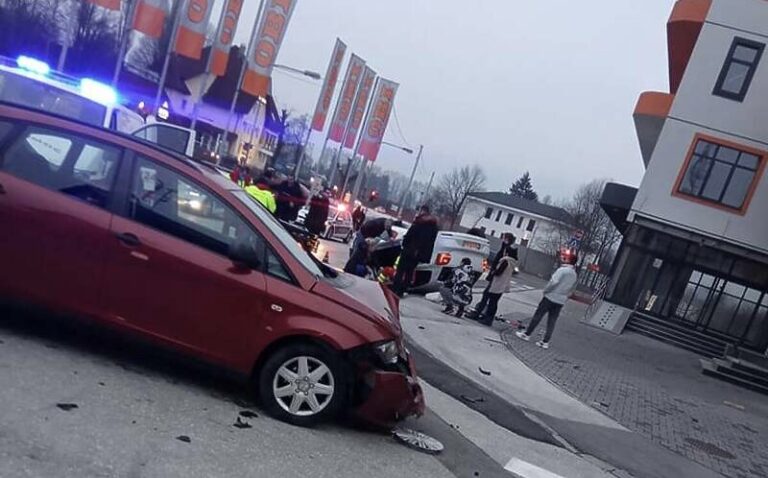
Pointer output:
556, 294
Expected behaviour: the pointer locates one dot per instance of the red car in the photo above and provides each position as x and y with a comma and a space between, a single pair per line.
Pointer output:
107, 227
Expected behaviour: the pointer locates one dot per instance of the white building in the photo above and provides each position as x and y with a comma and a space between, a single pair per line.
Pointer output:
695, 250
535, 225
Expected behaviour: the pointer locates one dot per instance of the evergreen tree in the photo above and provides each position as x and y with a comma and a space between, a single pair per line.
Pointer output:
523, 188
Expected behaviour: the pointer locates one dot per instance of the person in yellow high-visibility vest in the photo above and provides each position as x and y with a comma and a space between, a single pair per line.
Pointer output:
263, 196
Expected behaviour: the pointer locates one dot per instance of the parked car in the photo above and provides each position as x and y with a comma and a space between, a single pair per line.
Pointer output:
127, 247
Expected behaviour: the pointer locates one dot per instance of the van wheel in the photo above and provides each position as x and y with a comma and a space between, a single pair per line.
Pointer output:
303, 384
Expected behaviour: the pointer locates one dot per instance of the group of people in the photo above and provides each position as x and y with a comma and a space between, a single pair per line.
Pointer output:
416, 246
282, 195
457, 291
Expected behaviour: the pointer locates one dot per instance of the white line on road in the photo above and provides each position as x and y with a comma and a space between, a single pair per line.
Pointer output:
528, 470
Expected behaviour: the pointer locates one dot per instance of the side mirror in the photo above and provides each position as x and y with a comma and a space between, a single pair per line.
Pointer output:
244, 256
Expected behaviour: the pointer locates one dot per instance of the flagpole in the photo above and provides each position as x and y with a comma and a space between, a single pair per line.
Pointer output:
168, 52
130, 14
243, 68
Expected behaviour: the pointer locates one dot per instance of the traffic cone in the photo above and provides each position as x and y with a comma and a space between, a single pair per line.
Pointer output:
326, 259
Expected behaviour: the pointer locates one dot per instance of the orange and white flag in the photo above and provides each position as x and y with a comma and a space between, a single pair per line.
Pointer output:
349, 88
108, 4
329, 84
225, 35
190, 37
377, 120
265, 46
358, 110
150, 16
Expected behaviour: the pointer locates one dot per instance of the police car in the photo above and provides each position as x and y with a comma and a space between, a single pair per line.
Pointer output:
29, 82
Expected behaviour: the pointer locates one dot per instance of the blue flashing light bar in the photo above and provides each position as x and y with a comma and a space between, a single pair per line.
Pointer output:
33, 65
98, 92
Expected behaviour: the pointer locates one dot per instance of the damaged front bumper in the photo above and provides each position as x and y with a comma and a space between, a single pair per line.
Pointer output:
385, 395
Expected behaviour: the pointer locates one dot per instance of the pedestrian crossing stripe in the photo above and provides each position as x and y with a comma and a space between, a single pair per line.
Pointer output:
528, 470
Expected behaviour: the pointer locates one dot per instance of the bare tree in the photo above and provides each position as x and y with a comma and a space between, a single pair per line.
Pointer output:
453, 189
26, 26
599, 236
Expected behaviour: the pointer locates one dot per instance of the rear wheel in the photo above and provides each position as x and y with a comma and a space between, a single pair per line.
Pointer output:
303, 384
329, 233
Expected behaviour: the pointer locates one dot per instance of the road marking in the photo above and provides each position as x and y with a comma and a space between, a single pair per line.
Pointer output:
528, 470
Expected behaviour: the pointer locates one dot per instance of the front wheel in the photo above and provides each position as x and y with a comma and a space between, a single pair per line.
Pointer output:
303, 384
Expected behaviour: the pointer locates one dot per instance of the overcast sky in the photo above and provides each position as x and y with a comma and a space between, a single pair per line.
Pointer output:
547, 86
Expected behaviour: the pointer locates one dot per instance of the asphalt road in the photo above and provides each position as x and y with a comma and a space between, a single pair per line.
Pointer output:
78, 400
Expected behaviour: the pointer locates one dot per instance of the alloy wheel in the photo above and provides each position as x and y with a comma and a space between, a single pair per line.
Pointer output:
303, 386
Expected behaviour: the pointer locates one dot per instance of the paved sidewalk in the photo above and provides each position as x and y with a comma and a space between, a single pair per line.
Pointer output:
651, 388
477, 353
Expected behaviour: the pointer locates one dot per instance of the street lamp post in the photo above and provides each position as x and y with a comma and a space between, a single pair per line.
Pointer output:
358, 181
410, 182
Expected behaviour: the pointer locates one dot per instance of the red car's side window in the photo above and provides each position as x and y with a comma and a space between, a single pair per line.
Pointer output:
172, 203
63, 162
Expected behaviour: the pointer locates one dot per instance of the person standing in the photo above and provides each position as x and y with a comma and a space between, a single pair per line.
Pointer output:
556, 294
500, 279
417, 245
317, 216
507, 241
358, 217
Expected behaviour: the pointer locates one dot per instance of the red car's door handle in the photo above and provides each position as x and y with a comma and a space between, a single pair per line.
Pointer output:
2, 189
129, 239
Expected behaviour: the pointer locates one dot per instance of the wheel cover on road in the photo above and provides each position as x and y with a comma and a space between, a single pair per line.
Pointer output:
303, 386
417, 440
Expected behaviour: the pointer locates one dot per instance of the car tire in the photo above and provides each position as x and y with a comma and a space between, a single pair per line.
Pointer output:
348, 238
329, 233
293, 396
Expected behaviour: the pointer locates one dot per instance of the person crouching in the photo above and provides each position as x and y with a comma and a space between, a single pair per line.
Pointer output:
457, 289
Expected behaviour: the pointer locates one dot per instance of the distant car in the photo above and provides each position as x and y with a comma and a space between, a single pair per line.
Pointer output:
103, 226
339, 225
380, 210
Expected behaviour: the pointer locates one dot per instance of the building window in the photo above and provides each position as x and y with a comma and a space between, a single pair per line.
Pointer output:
524, 243
493, 233
482, 229
488, 212
520, 222
720, 174
498, 216
508, 221
739, 68
531, 225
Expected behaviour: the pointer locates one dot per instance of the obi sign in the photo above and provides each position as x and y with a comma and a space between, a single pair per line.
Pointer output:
265, 46
377, 120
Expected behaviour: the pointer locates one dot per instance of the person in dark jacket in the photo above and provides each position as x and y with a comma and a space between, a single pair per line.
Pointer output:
290, 198
317, 215
358, 217
418, 243
507, 242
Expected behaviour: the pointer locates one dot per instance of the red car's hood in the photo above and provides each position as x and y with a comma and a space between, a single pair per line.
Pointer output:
368, 298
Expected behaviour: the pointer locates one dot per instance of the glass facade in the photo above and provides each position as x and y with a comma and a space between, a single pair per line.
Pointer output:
695, 285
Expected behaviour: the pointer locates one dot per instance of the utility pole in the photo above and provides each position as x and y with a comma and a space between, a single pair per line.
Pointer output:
429, 186
410, 182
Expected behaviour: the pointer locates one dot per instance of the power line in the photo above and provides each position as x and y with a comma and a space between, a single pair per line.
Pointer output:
399, 129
